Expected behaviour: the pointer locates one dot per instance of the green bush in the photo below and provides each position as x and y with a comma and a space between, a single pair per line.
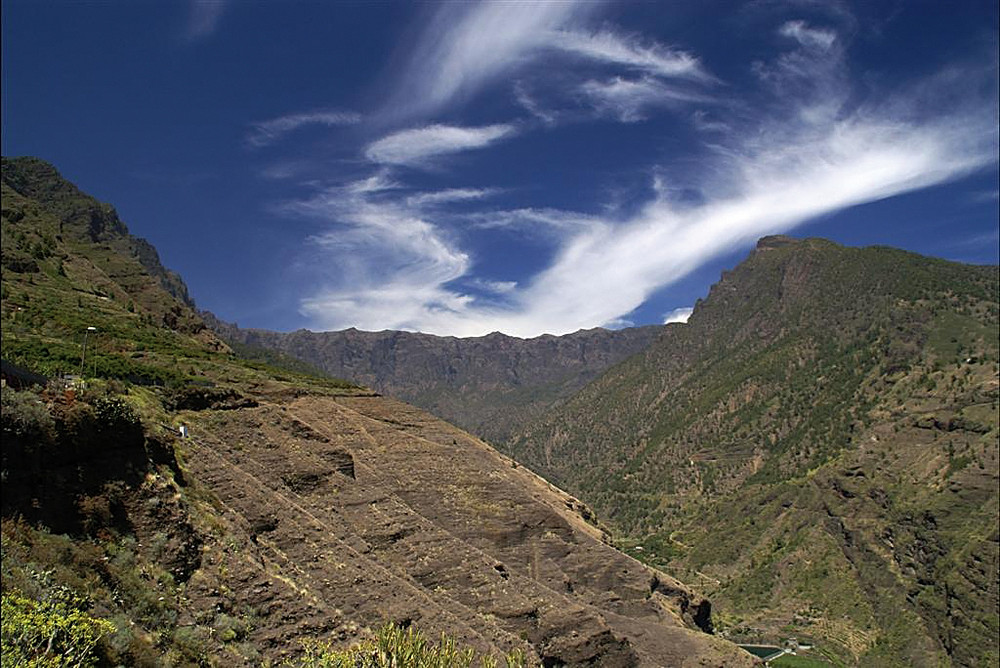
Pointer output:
116, 413
25, 416
54, 633
395, 647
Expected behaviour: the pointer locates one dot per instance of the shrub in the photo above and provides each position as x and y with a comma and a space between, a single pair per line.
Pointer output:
395, 647
49, 633
116, 412
25, 416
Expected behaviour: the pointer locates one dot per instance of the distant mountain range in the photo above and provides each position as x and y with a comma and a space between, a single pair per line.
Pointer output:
491, 385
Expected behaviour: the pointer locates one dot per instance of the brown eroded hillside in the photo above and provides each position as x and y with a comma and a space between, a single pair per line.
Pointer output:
371, 510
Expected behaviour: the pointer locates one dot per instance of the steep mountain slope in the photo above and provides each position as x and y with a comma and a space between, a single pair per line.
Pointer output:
69, 263
80, 219
817, 447
490, 385
299, 508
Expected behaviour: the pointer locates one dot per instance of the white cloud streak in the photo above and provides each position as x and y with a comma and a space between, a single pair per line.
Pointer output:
270, 131
608, 47
467, 45
629, 100
391, 266
531, 105
495, 287
678, 315
537, 222
420, 146
808, 37
203, 18
449, 195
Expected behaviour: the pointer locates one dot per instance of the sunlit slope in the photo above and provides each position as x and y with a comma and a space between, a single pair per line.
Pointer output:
816, 447
491, 385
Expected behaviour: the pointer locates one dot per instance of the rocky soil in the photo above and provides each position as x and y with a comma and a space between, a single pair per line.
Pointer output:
339, 513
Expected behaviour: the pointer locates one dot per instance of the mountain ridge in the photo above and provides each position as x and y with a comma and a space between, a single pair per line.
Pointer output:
86, 218
822, 405
488, 385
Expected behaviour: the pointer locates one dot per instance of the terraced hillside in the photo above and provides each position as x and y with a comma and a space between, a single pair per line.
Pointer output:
299, 509
817, 447
372, 510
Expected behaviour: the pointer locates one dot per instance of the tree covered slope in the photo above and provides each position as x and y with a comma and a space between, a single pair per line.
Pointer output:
816, 447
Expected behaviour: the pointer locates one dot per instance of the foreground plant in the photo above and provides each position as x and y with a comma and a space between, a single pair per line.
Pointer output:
396, 647
54, 633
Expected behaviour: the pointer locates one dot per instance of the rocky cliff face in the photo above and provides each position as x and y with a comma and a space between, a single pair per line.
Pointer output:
817, 446
490, 385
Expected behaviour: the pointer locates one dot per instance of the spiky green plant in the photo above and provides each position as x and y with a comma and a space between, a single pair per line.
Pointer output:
396, 647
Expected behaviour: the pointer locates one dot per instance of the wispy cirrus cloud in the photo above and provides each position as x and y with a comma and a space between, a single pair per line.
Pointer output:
813, 38
494, 287
204, 17
421, 146
533, 221
392, 265
630, 100
653, 58
449, 195
769, 174
263, 133
465, 46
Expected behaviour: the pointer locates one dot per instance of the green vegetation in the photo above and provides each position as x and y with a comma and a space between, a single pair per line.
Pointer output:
393, 646
794, 661
49, 633
70, 264
816, 450
89, 463
278, 363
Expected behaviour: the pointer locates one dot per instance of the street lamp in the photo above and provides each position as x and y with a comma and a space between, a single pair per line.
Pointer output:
83, 358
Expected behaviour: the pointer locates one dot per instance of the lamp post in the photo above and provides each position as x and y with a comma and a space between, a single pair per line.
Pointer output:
83, 358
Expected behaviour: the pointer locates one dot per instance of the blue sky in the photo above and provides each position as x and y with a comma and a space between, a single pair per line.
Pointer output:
461, 168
